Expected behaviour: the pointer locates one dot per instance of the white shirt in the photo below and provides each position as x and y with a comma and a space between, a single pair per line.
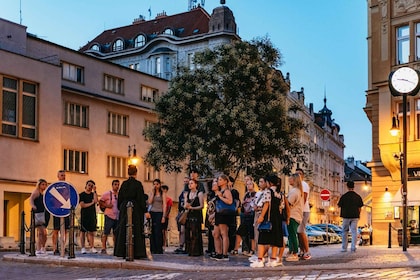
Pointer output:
306, 189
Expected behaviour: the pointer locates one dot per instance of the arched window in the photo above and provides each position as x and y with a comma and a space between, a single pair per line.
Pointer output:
140, 41
95, 47
168, 31
118, 45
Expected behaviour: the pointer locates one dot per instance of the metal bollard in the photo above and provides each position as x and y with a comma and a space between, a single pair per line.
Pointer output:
129, 235
71, 235
32, 236
22, 233
389, 235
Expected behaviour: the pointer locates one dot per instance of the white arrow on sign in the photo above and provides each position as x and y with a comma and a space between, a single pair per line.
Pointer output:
60, 198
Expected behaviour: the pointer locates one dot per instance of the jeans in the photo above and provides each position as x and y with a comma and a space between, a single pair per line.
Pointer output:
156, 238
349, 223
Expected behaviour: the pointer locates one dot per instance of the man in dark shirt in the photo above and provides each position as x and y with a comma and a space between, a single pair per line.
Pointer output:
350, 205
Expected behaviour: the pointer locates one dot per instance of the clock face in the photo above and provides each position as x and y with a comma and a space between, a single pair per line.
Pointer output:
405, 80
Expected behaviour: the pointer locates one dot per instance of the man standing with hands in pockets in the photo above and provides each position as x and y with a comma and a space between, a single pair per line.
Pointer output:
109, 201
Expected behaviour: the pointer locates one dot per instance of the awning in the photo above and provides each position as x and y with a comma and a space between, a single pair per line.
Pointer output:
413, 195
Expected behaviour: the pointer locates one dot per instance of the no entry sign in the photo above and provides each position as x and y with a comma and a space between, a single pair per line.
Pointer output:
325, 195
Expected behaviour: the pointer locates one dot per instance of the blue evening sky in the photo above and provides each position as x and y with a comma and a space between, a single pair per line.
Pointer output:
323, 43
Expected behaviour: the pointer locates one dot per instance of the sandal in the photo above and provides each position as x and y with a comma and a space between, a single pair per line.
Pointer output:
234, 252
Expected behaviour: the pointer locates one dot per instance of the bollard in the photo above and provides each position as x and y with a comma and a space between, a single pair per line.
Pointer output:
129, 236
22, 233
32, 237
389, 235
71, 235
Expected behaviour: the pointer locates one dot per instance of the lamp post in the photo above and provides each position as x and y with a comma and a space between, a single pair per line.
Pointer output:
132, 158
402, 82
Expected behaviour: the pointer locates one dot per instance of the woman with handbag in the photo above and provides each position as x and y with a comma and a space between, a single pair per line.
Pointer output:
295, 198
222, 219
42, 217
157, 202
269, 222
194, 203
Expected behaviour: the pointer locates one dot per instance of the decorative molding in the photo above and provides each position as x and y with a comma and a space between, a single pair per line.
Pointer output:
405, 6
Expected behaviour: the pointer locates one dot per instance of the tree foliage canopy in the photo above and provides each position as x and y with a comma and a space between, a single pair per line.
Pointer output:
228, 114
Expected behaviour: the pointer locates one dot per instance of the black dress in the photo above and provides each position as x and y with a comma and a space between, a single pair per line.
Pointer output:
131, 190
193, 237
275, 236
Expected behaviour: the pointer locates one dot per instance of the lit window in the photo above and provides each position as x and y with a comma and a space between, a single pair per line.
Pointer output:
117, 124
77, 115
72, 72
118, 45
75, 161
19, 108
403, 44
117, 167
140, 41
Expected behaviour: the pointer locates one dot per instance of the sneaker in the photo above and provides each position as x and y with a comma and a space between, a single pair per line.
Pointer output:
274, 263
43, 251
288, 254
353, 250
225, 258
343, 250
300, 254
253, 258
306, 256
234, 252
93, 250
38, 252
103, 252
178, 250
83, 251
258, 263
217, 257
292, 258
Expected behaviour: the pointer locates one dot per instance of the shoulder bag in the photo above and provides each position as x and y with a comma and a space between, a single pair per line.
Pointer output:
225, 209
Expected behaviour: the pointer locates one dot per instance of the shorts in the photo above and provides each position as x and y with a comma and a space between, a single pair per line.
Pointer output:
56, 222
302, 226
110, 224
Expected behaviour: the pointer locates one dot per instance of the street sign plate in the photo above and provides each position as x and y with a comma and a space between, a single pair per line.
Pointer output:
59, 198
325, 203
325, 194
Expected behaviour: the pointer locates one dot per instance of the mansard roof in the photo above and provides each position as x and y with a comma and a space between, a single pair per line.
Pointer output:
187, 24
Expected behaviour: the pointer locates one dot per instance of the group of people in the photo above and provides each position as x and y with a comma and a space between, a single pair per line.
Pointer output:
268, 217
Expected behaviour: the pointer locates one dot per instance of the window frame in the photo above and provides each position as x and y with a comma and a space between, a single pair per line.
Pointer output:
75, 161
76, 114
113, 84
117, 124
74, 73
148, 94
402, 44
139, 41
118, 45
117, 166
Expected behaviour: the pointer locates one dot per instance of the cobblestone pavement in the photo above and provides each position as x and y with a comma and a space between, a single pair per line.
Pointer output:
370, 262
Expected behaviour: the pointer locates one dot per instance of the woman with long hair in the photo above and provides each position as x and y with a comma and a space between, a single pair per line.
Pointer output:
296, 201
194, 203
37, 203
222, 221
157, 204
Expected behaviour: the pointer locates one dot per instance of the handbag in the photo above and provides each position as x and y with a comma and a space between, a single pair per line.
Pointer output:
182, 217
225, 209
39, 219
266, 225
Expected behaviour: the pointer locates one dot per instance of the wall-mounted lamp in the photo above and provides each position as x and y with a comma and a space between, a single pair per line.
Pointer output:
395, 129
132, 158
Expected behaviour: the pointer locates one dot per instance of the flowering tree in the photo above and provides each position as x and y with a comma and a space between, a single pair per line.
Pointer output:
227, 114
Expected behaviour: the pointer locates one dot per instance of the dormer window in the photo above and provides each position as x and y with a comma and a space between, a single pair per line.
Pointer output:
168, 31
118, 45
95, 47
140, 41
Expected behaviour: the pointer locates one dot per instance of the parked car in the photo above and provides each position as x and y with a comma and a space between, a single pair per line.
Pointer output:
333, 237
316, 237
337, 229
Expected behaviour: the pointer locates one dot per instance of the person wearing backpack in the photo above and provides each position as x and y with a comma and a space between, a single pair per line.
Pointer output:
109, 206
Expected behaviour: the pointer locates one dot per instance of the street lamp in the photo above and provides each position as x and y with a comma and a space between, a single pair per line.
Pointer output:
132, 159
402, 82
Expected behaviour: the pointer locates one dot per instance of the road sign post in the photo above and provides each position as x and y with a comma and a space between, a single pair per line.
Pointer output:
59, 198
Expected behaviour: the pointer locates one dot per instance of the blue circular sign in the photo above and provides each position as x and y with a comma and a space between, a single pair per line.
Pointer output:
59, 198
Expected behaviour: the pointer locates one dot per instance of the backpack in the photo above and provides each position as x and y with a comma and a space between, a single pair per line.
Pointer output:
103, 207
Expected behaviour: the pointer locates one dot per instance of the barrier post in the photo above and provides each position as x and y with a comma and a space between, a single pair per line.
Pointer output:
129, 236
71, 234
389, 235
32, 236
22, 233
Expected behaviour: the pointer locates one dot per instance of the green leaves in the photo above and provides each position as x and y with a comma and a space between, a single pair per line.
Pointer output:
228, 114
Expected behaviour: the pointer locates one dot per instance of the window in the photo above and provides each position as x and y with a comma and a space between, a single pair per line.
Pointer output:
117, 124
77, 115
19, 108
417, 118
403, 44
148, 94
113, 84
118, 45
72, 72
75, 161
117, 167
151, 173
146, 125
168, 31
140, 41
95, 47
190, 62
134, 66
158, 66
418, 41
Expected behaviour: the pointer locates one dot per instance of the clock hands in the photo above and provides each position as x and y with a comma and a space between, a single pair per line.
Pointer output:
405, 80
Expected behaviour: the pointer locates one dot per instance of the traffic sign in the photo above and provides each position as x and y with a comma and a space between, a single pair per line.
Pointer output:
59, 198
325, 194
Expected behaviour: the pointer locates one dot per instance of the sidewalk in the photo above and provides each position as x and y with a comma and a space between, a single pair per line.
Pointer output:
327, 257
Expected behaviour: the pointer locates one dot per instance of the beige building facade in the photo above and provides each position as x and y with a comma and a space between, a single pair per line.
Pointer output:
62, 109
393, 42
